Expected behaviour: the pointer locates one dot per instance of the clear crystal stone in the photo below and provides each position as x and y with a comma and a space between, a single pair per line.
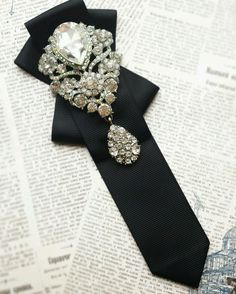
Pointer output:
90, 29
113, 128
111, 85
113, 151
80, 101
122, 152
92, 83
71, 40
104, 110
61, 68
88, 92
119, 159
92, 107
110, 98
97, 50
134, 158
55, 86
128, 161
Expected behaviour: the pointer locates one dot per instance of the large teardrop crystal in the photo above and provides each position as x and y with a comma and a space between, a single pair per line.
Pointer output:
72, 41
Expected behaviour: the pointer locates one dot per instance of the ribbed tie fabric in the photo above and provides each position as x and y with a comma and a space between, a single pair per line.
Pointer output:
147, 194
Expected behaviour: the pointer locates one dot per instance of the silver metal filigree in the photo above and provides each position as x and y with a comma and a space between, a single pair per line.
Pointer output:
85, 71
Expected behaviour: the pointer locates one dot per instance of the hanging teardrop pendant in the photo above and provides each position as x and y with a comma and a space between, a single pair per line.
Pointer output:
123, 146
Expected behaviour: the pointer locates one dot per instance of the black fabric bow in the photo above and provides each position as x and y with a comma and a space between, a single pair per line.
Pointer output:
64, 129
148, 196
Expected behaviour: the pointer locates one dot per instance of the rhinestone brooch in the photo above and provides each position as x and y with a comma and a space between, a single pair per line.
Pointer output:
85, 71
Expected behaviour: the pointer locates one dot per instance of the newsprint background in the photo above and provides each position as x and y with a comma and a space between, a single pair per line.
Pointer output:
60, 231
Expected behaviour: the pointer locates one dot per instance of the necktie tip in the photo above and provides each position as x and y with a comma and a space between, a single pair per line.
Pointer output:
187, 269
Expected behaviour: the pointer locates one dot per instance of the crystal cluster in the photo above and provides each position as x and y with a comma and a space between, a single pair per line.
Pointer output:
85, 71
73, 51
122, 145
47, 64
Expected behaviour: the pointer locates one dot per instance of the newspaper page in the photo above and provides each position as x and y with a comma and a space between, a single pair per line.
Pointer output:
188, 48
55, 206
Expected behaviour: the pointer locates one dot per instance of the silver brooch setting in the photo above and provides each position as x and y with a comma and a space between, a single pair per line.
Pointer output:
85, 71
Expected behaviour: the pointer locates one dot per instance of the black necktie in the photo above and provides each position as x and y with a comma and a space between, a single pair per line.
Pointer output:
147, 194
